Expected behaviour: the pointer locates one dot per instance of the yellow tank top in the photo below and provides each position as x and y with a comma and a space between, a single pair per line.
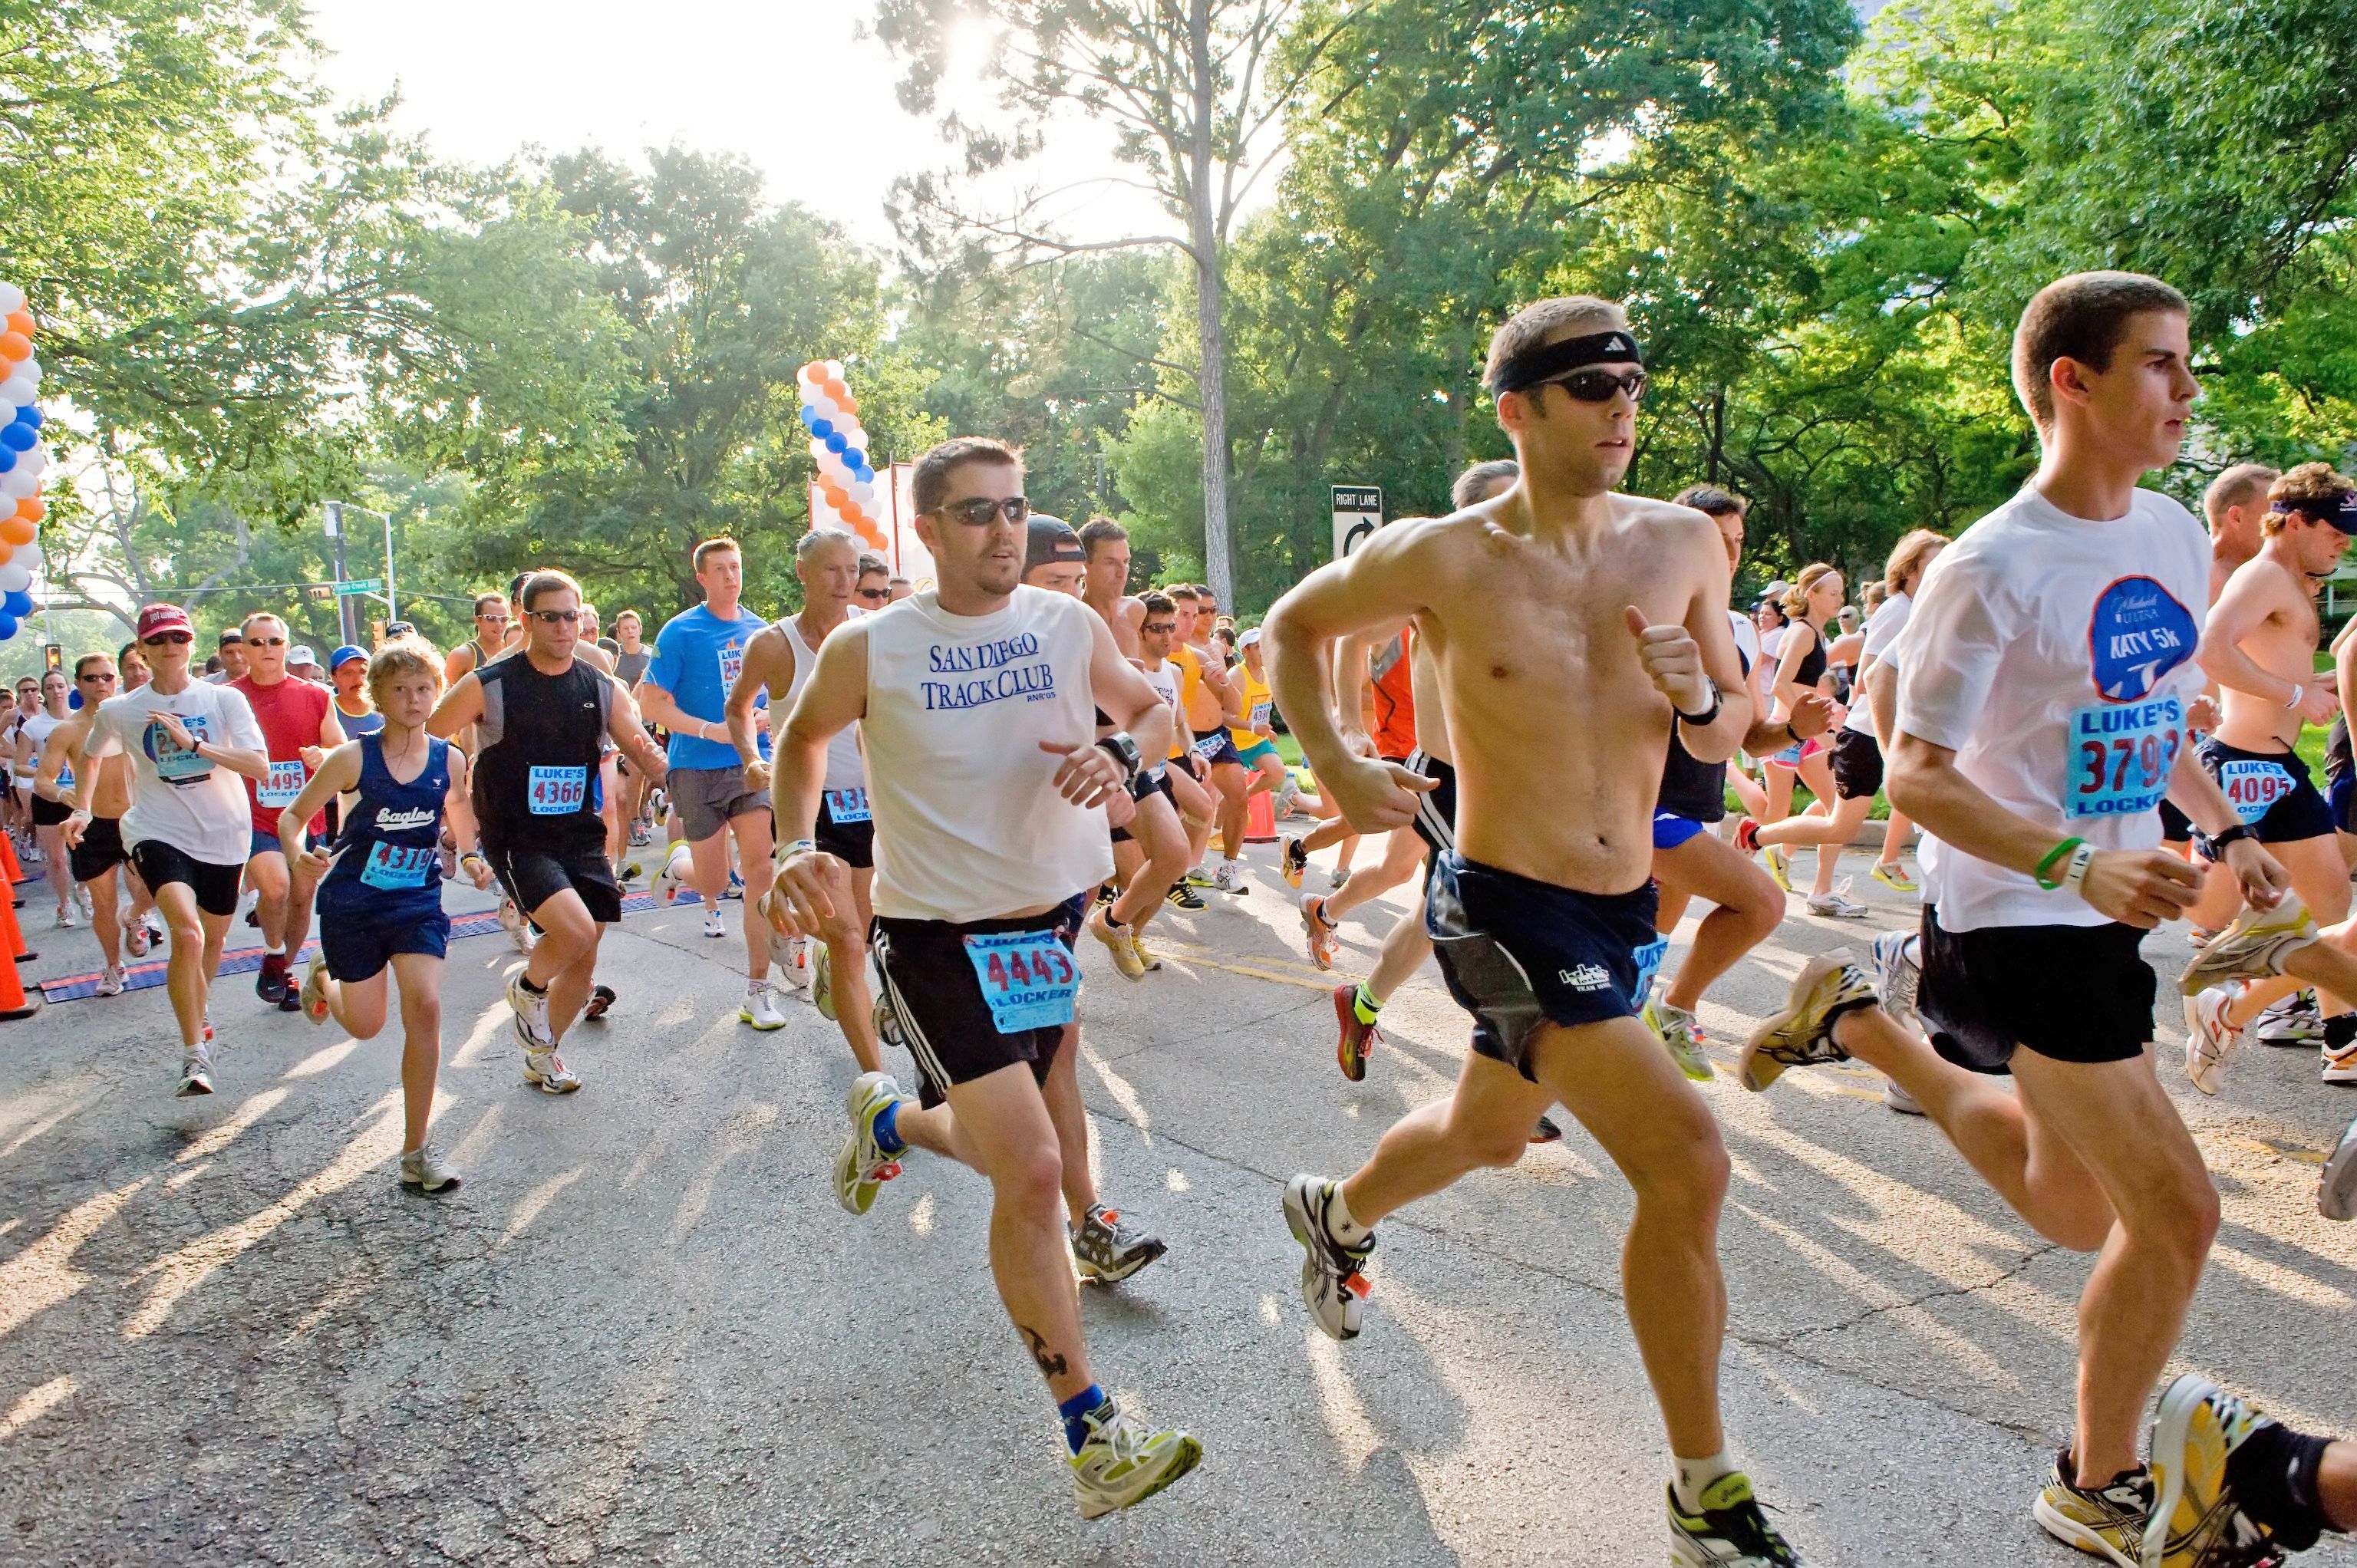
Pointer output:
1258, 706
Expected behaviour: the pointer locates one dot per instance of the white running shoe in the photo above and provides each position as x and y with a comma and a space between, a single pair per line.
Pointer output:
822, 981
862, 1165
546, 1072
1121, 1463
82, 902
530, 1015
110, 981
2336, 1195
2209, 1039
2293, 1020
1333, 1283
2253, 948
760, 1008
679, 864
518, 929
196, 1072
2341, 1065
1836, 905
792, 957
1229, 878
1897, 973
1896, 1097
424, 1168
1336, 877
714, 925
136, 938
65, 921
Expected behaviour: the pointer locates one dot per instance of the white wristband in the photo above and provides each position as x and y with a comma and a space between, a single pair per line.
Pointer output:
2299, 695
2075, 879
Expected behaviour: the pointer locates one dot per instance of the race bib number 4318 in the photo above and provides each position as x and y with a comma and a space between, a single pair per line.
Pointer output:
2120, 757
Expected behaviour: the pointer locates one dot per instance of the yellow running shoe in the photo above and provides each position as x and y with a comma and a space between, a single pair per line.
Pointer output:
1894, 876
2194, 1433
2107, 1521
2253, 948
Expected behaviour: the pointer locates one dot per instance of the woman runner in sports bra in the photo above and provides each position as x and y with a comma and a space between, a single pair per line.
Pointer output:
380, 900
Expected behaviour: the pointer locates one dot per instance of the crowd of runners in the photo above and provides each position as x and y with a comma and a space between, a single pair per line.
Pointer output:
1539, 702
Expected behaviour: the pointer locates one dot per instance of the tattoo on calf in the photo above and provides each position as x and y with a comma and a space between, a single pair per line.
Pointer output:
1051, 1364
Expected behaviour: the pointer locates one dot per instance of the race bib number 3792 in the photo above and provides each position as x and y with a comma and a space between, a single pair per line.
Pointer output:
1028, 979
2120, 757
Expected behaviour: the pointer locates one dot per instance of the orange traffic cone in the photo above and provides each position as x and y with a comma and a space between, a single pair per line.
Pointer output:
8, 860
14, 1002
1260, 818
12, 935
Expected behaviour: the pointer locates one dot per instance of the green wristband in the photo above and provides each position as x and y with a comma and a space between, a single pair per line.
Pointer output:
2057, 852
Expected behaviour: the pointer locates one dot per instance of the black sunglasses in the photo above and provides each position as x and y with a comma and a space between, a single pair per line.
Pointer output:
875, 593
555, 618
1598, 386
1159, 628
979, 512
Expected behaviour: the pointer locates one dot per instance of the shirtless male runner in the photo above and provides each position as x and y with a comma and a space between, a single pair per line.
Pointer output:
976, 705
2232, 505
2043, 685
1150, 856
777, 663
1571, 627
2259, 648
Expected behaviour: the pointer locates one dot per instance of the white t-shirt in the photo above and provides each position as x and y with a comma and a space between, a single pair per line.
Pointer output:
1881, 633
1746, 637
968, 826
2054, 655
178, 797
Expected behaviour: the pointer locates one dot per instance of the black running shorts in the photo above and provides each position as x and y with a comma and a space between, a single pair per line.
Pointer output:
852, 842
1857, 765
160, 864
100, 850
533, 876
2071, 994
934, 988
2271, 790
1436, 814
1518, 952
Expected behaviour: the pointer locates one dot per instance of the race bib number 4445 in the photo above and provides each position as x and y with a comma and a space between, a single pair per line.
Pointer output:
2120, 757
1028, 979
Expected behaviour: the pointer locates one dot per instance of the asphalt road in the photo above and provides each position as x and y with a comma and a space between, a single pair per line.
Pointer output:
643, 1332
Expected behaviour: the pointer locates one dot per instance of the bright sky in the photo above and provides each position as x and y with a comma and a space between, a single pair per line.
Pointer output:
784, 82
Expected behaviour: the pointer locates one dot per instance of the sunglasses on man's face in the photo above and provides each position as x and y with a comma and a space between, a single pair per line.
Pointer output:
556, 618
1160, 627
875, 593
104, 679
266, 642
1599, 386
178, 638
979, 512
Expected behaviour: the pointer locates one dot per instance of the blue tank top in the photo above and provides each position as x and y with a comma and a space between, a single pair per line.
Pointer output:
394, 831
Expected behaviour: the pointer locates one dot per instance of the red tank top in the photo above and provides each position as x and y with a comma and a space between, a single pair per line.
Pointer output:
1394, 734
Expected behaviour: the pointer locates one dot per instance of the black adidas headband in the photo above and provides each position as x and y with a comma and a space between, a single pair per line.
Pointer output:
1544, 363
2339, 510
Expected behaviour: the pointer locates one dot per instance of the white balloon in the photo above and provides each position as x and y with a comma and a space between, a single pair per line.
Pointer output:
12, 299
16, 484
29, 368
15, 394
15, 577
35, 462
864, 491
834, 370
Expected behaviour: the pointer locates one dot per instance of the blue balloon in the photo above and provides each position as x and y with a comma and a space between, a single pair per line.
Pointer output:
836, 443
19, 438
73, 699
7, 626
809, 416
17, 603
7, 459
854, 459
821, 429
29, 415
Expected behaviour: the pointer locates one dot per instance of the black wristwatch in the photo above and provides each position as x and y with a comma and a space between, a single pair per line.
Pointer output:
1123, 750
1718, 701
2239, 831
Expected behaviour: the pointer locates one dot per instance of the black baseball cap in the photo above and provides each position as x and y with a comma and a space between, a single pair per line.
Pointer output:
1052, 539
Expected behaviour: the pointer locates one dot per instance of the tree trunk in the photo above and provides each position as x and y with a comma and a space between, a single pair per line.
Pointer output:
1211, 332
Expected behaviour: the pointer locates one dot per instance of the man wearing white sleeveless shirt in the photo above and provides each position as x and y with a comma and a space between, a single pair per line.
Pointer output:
976, 704
779, 661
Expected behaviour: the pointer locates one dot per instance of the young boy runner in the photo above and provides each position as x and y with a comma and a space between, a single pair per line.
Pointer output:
2043, 686
380, 884
192, 745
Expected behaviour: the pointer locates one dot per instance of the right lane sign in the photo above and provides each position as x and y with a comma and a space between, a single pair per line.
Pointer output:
1358, 512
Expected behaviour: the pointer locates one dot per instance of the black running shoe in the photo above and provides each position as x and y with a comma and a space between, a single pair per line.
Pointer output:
1730, 1532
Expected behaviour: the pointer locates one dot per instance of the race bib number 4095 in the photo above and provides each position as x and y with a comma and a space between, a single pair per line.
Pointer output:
2120, 757
1028, 979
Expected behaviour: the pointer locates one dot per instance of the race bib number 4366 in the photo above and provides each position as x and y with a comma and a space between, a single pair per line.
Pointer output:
557, 791
2120, 757
1027, 978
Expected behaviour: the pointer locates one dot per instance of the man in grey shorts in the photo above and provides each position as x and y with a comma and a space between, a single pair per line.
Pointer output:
698, 655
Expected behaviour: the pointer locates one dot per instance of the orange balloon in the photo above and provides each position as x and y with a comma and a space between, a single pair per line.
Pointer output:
839, 393
6, 552
33, 506
849, 511
16, 529
16, 348
849, 403
22, 321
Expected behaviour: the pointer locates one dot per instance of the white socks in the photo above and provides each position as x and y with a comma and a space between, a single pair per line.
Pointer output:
1339, 1224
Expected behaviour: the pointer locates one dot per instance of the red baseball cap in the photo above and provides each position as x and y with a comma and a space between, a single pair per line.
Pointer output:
154, 620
